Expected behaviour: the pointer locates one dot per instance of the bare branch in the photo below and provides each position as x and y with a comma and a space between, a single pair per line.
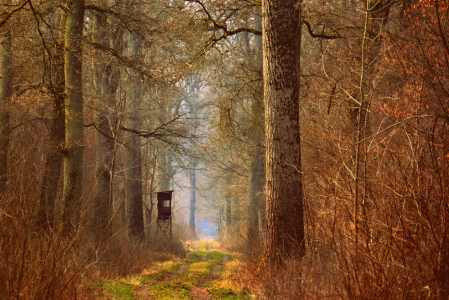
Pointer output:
11, 12
334, 35
130, 62
223, 26
161, 130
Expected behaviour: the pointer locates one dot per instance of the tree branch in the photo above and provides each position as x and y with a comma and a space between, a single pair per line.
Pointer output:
223, 26
334, 35
156, 132
12, 11
135, 64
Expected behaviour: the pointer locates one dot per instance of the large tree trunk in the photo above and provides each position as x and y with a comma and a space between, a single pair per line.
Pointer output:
194, 86
134, 189
105, 120
6, 76
5, 95
54, 159
73, 162
285, 232
257, 166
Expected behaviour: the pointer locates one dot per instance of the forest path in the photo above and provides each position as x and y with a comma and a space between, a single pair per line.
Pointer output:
207, 273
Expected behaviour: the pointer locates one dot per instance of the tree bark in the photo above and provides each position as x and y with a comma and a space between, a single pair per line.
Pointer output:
165, 159
166, 170
134, 189
73, 162
257, 166
54, 159
285, 232
255, 197
192, 219
6, 76
228, 213
105, 121
194, 86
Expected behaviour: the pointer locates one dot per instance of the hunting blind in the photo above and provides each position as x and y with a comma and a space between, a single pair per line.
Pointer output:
164, 210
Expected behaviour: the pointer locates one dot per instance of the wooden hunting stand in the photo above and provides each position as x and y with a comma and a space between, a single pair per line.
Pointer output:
164, 210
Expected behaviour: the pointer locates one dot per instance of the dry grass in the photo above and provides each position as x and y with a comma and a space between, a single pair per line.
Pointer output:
39, 265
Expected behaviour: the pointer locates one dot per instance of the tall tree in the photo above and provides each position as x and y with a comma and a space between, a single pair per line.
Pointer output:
285, 231
257, 164
133, 155
106, 123
193, 86
54, 159
165, 161
6, 77
73, 72
192, 219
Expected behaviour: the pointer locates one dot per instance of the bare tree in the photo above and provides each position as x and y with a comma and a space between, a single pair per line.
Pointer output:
106, 124
73, 162
56, 126
6, 79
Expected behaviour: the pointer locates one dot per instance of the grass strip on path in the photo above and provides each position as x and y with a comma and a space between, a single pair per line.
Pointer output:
165, 281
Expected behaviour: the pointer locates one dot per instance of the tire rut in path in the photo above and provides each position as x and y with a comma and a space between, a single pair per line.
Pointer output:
225, 259
217, 269
143, 292
183, 268
198, 292
201, 293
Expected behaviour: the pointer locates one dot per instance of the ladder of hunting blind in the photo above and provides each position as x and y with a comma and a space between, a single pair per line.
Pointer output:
165, 227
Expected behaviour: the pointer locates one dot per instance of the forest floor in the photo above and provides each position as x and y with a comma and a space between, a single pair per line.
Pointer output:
206, 273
